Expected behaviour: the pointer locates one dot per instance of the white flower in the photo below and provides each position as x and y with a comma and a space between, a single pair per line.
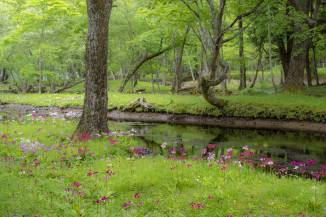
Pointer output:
164, 145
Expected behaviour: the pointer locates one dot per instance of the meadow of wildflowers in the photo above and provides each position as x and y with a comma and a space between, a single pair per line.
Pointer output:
43, 173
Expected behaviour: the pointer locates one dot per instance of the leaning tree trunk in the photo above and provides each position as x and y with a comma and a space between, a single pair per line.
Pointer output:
94, 118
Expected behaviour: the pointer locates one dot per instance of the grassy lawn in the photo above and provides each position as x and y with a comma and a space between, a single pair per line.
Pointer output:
100, 178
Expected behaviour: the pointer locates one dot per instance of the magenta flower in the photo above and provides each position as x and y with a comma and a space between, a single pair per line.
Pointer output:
311, 162
76, 184
211, 146
104, 198
323, 166
127, 205
297, 163
98, 201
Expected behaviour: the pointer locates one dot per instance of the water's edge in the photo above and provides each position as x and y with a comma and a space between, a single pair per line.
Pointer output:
224, 122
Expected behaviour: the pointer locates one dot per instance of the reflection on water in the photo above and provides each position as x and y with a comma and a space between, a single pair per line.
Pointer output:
281, 146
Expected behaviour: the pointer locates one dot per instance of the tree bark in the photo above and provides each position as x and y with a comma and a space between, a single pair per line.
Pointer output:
243, 79
94, 118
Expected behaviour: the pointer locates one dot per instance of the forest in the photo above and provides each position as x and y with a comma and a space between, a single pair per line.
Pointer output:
163, 108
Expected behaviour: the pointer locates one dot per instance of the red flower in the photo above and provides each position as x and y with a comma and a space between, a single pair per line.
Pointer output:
137, 195
85, 137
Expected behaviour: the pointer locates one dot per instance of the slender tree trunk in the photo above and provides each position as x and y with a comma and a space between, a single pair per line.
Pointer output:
243, 79
94, 117
139, 65
178, 63
257, 68
270, 49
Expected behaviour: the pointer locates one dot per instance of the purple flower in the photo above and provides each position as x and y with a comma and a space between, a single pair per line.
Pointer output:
323, 166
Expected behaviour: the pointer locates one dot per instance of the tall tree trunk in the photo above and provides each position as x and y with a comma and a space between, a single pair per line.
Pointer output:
94, 117
176, 85
243, 79
308, 68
